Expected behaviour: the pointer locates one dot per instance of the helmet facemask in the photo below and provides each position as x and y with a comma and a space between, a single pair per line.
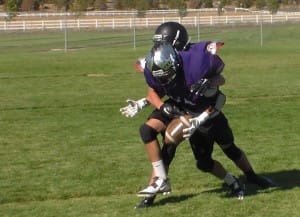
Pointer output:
164, 63
164, 77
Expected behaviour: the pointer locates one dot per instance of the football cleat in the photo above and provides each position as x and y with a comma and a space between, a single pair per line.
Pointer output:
237, 190
261, 181
146, 202
159, 185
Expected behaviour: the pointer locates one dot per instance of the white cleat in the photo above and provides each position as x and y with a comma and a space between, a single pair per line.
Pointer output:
158, 186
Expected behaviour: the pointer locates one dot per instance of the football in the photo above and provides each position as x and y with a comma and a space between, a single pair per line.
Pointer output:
174, 134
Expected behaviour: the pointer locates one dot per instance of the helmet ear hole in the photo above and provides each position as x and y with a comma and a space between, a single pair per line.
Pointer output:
173, 33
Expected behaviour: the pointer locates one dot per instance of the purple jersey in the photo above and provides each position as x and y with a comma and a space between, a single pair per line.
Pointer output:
196, 63
199, 63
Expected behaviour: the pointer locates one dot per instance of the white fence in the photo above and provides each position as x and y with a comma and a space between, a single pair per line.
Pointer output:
131, 22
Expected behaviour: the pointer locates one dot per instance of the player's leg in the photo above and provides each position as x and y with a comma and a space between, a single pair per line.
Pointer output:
202, 146
149, 132
224, 137
167, 153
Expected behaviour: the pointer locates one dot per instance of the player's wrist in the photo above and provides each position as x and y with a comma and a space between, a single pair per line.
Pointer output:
142, 103
202, 117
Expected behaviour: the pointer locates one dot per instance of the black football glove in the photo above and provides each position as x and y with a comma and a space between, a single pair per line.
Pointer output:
200, 87
170, 111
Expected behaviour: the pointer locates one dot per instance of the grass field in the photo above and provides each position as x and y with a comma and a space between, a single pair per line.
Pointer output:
66, 150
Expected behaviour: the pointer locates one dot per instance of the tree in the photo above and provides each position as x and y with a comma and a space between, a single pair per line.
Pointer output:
154, 4
118, 4
79, 5
63, 4
141, 7
36, 4
180, 5
26, 5
260, 4
207, 3
177, 4
12, 5
100, 4
195, 3
127, 4
273, 6
244, 3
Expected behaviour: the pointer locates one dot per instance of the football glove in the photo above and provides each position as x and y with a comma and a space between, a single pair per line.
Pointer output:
170, 111
196, 122
133, 107
200, 87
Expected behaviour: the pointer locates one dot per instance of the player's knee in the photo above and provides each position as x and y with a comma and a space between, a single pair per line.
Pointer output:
206, 165
232, 151
168, 153
147, 133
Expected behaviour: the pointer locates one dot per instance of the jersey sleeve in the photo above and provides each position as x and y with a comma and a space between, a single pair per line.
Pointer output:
198, 63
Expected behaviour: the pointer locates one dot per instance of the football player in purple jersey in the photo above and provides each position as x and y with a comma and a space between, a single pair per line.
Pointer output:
190, 78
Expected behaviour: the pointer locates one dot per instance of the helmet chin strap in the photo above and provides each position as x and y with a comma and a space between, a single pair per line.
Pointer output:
176, 37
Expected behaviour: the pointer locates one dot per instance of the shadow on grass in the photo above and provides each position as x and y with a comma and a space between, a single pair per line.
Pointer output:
285, 180
174, 199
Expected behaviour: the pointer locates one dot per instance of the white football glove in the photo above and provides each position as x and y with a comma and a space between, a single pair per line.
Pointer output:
133, 107
195, 123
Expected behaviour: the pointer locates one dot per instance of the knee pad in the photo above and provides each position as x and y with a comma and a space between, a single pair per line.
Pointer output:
168, 153
147, 133
205, 165
232, 151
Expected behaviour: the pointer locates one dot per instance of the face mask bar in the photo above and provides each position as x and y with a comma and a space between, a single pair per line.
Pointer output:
164, 77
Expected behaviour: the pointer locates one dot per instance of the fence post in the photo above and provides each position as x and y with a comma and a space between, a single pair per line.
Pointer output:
134, 33
198, 26
261, 29
271, 18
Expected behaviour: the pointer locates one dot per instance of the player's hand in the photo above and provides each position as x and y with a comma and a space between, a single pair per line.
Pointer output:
133, 107
196, 122
170, 111
200, 87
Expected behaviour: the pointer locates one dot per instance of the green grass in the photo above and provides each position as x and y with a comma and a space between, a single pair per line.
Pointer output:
66, 150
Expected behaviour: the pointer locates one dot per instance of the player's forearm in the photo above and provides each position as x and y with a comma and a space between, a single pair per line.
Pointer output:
153, 98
